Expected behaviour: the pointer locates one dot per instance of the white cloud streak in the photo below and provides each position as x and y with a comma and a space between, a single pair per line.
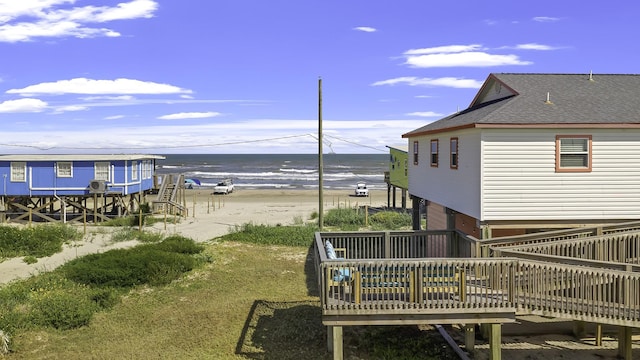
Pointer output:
26, 20
444, 81
262, 135
425, 114
534, 46
545, 19
96, 87
473, 55
444, 49
189, 115
464, 59
365, 29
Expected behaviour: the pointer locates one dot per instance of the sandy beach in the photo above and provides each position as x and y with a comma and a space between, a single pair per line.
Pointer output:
211, 216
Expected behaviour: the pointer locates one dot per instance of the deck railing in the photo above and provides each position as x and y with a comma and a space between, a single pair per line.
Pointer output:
576, 292
615, 247
484, 247
405, 275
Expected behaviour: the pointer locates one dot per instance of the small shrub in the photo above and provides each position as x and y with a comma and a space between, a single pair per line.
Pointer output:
128, 233
345, 219
148, 237
30, 259
105, 298
38, 241
154, 264
390, 220
179, 244
62, 310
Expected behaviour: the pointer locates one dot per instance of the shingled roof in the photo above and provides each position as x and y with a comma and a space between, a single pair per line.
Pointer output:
540, 100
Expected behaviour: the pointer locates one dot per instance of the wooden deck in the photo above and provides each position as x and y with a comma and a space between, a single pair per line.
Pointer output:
423, 277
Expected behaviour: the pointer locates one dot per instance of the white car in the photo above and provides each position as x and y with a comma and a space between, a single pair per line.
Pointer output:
361, 189
224, 187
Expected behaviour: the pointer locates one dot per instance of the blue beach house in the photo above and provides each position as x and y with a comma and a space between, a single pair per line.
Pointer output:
50, 184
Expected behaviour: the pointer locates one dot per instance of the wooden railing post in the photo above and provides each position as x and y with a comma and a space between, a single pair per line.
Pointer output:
387, 245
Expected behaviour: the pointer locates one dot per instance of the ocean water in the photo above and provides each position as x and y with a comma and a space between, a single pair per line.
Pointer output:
279, 171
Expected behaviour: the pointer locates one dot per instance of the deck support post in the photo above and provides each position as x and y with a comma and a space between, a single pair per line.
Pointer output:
624, 343
598, 334
578, 329
415, 213
470, 337
334, 341
495, 342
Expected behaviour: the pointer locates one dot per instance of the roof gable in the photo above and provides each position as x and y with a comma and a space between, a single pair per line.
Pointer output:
516, 100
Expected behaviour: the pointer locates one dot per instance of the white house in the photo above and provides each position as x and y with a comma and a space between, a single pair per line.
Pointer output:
531, 152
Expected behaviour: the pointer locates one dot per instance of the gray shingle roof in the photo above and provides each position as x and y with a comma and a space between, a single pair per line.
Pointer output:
575, 99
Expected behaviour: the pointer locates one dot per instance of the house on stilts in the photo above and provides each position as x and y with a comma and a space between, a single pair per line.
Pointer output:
75, 187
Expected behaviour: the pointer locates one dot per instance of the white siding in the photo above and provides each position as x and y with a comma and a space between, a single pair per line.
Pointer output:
520, 182
457, 189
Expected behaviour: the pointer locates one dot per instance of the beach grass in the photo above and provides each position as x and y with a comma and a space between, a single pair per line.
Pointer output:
36, 241
251, 302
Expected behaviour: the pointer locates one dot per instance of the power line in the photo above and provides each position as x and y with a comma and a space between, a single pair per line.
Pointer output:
240, 142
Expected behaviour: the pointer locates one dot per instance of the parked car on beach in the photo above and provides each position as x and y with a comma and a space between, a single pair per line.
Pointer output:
224, 187
361, 189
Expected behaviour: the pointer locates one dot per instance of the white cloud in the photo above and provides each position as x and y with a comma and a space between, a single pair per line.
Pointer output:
189, 115
425, 114
424, 96
444, 81
263, 135
94, 87
109, 98
68, 108
534, 46
444, 49
464, 59
473, 55
25, 20
545, 19
23, 106
365, 29
114, 117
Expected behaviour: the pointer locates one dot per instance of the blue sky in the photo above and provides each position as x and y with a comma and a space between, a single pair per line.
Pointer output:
241, 76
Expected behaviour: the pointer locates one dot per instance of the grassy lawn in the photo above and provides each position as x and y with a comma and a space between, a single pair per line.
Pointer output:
251, 302
250, 295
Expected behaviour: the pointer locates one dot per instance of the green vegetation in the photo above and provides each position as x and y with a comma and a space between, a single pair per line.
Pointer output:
253, 302
37, 241
251, 294
154, 264
353, 219
70, 296
126, 234
133, 220
30, 259
273, 235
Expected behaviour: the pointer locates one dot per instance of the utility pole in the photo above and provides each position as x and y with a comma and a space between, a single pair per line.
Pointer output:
320, 164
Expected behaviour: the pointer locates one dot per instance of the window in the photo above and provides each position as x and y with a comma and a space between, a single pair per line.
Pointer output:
573, 153
101, 171
415, 153
148, 169
19, 171
434, 153
64, 169
134, 170
453, 145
